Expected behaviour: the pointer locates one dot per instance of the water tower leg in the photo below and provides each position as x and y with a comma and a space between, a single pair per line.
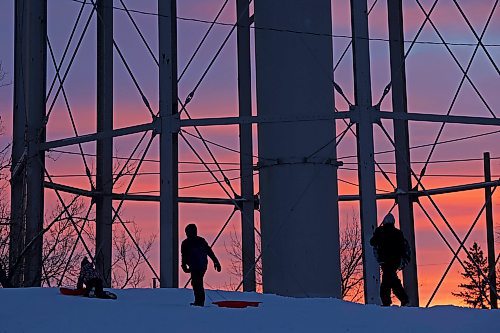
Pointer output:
366, 161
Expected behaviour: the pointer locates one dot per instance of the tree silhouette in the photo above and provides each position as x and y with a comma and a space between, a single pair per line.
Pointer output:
475, 291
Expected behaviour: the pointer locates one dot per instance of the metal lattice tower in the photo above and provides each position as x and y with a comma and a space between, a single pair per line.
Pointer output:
296, 123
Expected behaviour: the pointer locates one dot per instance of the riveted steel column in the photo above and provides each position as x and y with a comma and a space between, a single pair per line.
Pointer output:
169, 210
246, 146
490, 232
34, 67
364, 130
104, 179
401, 138
19, 147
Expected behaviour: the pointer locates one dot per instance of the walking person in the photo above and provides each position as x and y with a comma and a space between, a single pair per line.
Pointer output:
392, 253
194, 253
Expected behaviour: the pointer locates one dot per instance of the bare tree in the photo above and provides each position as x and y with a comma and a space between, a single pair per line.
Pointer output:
351, 264
3, 75
61, 254
234, 249
4, 208
62, 249
128, 261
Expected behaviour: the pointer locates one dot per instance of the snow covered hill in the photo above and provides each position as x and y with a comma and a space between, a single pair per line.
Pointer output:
153, 310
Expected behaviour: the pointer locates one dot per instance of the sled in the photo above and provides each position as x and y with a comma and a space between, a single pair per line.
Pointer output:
81, 292
72, 292
236, 304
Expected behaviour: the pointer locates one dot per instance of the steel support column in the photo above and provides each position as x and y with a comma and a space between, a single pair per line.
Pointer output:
34, 67
366, 161
19, 148
246, 147
401, 138
169, 210
490, 233
104, 163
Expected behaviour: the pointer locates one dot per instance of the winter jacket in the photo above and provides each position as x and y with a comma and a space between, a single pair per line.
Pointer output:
389, 244
194, 252
87, 273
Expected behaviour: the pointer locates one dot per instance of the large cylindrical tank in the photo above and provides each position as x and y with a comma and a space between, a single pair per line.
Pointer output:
298, 179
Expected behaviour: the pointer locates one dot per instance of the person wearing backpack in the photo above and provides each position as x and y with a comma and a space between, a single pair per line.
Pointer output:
392, 253
194, 252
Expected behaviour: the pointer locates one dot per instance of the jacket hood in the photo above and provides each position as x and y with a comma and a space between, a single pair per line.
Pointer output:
389, 219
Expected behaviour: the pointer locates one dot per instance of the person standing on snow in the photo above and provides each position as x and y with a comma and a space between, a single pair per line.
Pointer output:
391, 251
194, 252
90, 278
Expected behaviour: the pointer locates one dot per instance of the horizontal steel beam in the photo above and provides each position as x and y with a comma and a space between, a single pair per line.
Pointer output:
434, 191
101, 135
426, 117
136, 197
68, 189
377, 115
231, 202
456, 188
261, 119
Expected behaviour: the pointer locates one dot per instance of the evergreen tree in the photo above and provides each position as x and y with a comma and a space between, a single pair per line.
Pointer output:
475, 291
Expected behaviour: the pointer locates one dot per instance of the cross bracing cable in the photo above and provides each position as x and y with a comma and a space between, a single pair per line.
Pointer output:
479, 39
66, 49
196, 20
436, 30
413, 42
462, 242
202, 41
473, 136
190, 96
75, 51
70, 113
459, 88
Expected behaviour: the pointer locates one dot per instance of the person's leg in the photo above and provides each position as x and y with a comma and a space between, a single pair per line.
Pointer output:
385, 286
398, 289
99, 292
197, 283
88, 287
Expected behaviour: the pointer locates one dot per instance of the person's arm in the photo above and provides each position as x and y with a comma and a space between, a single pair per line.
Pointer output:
184, 260
79, 284
212, 256
374, 241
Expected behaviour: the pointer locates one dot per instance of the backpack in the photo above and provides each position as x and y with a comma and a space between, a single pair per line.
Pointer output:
406, 256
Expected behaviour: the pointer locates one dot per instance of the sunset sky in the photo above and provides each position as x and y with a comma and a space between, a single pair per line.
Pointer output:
432, 79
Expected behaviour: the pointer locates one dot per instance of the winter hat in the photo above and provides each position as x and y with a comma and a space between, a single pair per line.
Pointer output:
85, 261
191, 230
389, 219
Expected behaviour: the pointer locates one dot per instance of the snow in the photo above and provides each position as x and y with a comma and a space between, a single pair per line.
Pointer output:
152, 310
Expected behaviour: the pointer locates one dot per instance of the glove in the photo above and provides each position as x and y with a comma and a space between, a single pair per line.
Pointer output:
185, 269
217, 267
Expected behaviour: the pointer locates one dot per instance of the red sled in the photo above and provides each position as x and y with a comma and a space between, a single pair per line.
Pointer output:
72, 292
81, 292
236, 304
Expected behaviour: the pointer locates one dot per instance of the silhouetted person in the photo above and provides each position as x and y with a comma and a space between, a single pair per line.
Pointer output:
390, 249
194, 252
89, 277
